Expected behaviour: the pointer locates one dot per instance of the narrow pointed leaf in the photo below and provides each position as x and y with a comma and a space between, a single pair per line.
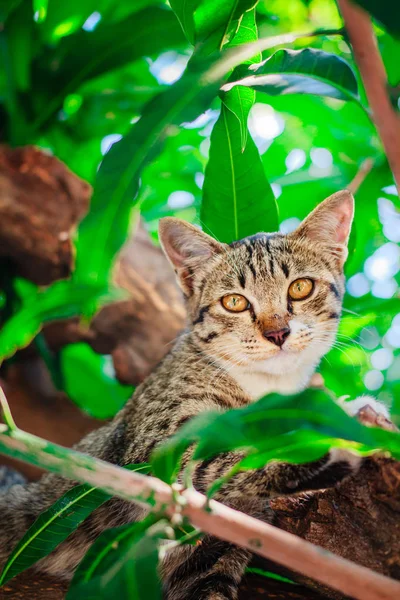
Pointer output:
54, 525
121, 563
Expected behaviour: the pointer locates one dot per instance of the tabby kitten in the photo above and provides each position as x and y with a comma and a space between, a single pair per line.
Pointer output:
263, 311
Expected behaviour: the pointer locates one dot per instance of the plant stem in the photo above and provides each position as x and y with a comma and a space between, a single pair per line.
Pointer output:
5, 409
222, 521
372, 70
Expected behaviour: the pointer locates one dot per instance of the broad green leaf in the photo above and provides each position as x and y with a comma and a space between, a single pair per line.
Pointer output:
247, 429
62, 300
54, 525
237, 198
89, 381
121, 563
307, 71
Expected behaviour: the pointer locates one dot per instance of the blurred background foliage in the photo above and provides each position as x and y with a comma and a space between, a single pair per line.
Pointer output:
75, 78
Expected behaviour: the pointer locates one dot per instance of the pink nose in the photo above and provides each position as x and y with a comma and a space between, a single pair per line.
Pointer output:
277, 337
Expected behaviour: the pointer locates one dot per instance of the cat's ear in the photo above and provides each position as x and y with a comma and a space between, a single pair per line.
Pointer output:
330, 223
187, 249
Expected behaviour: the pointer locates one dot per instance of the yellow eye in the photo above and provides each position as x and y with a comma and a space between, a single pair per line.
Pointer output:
301, 289
235, 303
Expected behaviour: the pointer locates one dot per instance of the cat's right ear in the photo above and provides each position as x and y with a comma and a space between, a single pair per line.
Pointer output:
187, 249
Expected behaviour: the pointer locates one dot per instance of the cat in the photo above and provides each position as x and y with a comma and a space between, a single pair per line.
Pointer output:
262, 313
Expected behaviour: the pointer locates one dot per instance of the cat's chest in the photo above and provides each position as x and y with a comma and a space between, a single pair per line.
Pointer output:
257, 385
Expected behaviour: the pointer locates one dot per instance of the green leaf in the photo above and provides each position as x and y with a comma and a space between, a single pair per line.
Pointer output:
121, 563
89, 381
40, 9
210, 22
107, 48
59, 301
277, 419
105, 228
307, 71
54, 525
237, 198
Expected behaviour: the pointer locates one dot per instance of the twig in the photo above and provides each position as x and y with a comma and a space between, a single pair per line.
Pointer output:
365, 49
361, 174
5, 409
222, 521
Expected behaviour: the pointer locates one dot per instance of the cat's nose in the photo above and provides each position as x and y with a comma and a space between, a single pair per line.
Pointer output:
277, 337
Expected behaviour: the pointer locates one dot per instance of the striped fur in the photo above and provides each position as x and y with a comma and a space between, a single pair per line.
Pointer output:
221, 361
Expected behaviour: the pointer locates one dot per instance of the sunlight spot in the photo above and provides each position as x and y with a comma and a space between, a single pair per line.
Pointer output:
199, 179
384, 289
358, 285
180, 199
384, 263
390, 218
373, 380
277, 189
92, 21
107, 366
289, 225
108, 141
265, 122
321, 158
295, 160
382, 359
202, 120
390, 189
168, 67
205, 147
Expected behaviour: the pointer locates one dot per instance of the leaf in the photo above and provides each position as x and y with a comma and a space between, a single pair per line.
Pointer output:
210, 22
272, 417
61, 300
385, 11
122, 562
105, 228
89, 380
237, 198
108, 47
54, 525
307, 71
40, 9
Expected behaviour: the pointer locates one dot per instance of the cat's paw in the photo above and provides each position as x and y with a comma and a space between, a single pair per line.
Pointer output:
368, 411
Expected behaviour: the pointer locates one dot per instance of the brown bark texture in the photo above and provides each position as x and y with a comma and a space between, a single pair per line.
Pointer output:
41, 203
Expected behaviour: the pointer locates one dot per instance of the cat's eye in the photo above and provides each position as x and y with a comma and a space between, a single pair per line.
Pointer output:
235, 303
301, 289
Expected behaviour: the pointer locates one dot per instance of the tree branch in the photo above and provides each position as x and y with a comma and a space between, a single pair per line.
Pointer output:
222, 521
366, 53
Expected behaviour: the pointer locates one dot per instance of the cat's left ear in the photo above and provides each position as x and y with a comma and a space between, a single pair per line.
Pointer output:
187, 248
330, 223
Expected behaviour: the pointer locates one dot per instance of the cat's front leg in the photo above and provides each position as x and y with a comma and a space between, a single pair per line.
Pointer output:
212, 570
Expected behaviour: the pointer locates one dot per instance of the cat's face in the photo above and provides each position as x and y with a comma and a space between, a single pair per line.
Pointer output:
271, 302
